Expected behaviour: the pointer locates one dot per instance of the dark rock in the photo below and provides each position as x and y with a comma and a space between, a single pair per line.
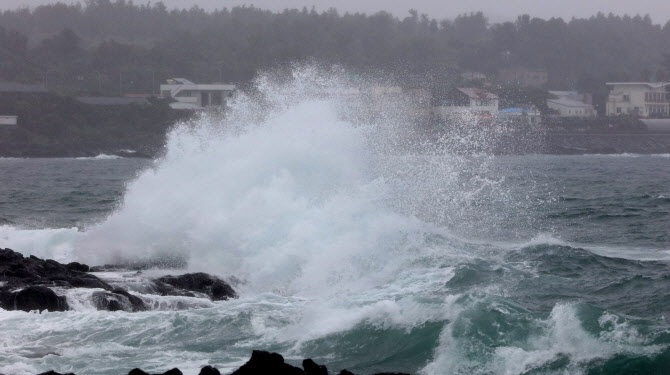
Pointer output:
18, 271
174, 371
33, 298
118, 300
346, 372
262, 362
76, 266
52, 372
211, 286
311, 368
209, 370
175, 262
136, 302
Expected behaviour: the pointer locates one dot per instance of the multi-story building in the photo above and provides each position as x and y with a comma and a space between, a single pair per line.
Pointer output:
641, 99
571, 104
189, 95
465, 101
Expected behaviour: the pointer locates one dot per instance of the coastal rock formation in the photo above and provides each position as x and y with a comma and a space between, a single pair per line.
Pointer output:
262, 362
311, 368
191, 283
174, 371
26, 282
17, 271
118, 300
32, 298
209, 370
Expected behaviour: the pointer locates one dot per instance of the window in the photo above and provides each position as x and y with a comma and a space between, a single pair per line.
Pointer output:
618, 110
626, 98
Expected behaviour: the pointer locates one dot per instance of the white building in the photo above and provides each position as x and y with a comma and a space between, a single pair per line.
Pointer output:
8, 120
530, 114
189, 95
466, 101
570, 104
642, 99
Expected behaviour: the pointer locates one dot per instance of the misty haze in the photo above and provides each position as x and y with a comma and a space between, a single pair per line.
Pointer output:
334, 187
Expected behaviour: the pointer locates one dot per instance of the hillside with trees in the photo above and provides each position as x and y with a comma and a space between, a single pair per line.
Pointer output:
116, 47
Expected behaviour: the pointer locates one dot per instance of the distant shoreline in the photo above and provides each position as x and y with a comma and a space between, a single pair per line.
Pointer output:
539, 143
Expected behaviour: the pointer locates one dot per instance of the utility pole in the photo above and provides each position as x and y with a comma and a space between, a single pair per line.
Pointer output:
46, 78
97, 73
153, 83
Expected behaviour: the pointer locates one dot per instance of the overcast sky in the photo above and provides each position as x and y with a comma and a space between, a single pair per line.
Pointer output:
496, 10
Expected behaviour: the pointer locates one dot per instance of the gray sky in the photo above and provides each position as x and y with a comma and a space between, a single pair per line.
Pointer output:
496, 10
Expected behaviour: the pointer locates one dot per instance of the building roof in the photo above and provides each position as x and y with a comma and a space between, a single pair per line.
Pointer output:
179, 81
105, 100
15, 87
563, 93
519, 110
189, 106
513, 110
654, 85
475, 93
569, 102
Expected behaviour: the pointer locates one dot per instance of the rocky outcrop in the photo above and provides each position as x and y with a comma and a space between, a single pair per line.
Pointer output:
209, 370
192, 284
26, 282
260, 363
118, 300
311, 368
32, 298
174, 371
17, 271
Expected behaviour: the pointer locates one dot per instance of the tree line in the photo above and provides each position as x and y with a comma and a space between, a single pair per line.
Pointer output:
115, 47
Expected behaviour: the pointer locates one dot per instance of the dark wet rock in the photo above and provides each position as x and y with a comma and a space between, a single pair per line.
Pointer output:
262, 362
346, 372
76, 266
25, 284
191, 283
33, 298
209, 370
175, 262
311, 368
174, 371
17, 271
52, 372
118, 300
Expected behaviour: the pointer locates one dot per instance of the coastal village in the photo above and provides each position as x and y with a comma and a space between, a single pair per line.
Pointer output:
517, 99
471, 97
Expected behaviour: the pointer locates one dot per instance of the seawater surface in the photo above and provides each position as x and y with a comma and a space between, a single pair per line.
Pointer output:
350, 250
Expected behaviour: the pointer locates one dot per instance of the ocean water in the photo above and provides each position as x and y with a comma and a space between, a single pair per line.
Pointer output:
352, 243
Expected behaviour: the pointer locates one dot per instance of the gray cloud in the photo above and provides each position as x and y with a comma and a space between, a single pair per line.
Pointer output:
496, 10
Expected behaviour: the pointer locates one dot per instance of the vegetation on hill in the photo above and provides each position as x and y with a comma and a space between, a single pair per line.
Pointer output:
119, 47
